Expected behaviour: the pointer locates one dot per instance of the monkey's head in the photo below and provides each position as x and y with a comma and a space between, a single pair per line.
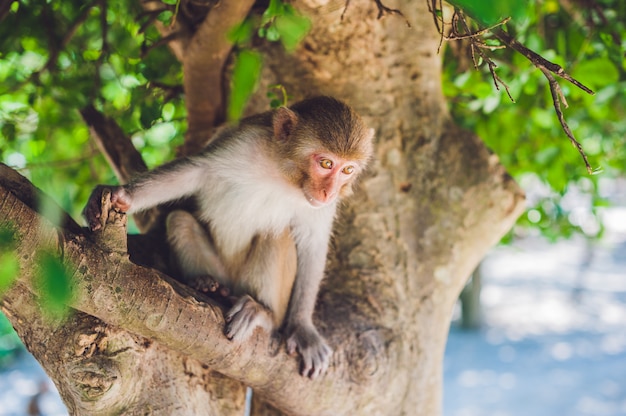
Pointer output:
324, 145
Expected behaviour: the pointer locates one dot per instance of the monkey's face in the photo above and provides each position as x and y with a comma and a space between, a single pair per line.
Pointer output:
328, 177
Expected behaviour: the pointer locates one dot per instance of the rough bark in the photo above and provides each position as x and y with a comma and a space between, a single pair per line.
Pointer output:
431, 205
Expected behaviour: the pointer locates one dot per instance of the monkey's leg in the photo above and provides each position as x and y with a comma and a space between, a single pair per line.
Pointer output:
195, 254
266, 278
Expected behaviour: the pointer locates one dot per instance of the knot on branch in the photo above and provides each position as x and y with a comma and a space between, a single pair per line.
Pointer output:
94, 378
370, 356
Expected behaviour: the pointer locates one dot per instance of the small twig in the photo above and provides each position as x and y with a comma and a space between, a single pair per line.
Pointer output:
345, 9
104, 28
476, 45
382, 10
538, 60
557, 99
151, 16
471, 34
547, 68
58, 163
145, 50
5, 9
171, 91
497, 80
432, 8
80, 19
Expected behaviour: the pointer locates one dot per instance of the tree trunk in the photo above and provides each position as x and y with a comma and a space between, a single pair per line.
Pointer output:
428, 209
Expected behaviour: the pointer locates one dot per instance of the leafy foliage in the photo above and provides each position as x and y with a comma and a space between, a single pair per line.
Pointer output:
56, 57
245, 75
280, 22
526, 134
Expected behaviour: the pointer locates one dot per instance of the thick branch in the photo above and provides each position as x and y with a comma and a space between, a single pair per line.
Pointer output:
122, 156
5, 8
203, 68
147, 303
101, 370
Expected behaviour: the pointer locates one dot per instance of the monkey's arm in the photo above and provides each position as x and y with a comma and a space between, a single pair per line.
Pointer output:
312, 247
180, 178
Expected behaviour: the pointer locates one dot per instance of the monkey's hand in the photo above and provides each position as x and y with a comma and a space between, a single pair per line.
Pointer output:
120, 201
313, 348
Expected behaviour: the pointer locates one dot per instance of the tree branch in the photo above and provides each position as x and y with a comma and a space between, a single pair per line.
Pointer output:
145, 302
546, 67
114, 144
538, 60
5, 8
80, 19
383, 10
203, 70
557, 98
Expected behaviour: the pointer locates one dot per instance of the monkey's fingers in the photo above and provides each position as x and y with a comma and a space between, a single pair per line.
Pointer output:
313, 349
315, 361
93, 209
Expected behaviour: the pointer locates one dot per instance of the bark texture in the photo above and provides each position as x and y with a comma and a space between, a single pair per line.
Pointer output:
428, 209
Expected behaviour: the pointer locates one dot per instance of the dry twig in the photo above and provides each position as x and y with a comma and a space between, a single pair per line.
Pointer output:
382, 10
557, 98
546, 67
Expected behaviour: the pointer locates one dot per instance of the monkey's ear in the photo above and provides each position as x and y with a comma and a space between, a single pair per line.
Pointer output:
284, 123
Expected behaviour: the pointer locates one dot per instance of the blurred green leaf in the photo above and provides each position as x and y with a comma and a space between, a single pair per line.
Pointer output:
242, 33
9, 269
272, 33
596, 73
54, 284
246, 73
9, 264
527, 135
490, 12
292, 29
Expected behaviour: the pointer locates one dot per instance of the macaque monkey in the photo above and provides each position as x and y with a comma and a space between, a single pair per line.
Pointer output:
266, 192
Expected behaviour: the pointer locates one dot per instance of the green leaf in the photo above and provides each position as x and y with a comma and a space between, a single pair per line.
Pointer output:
596, 73
292, 29
275, 8
490, 12
246, 73
241, 33
150, 112
54, 284
9, 269
272, 34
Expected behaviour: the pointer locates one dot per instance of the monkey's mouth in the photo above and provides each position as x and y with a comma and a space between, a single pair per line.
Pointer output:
314, 202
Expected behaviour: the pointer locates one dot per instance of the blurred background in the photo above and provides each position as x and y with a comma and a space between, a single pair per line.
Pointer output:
541, 327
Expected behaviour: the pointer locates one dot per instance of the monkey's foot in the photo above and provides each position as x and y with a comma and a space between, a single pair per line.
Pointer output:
207, 284
245, 316
313, 349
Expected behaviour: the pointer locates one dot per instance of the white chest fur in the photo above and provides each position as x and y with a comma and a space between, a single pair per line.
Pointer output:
245, 198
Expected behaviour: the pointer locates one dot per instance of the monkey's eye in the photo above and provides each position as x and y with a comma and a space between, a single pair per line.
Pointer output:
348, 170
326, 163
